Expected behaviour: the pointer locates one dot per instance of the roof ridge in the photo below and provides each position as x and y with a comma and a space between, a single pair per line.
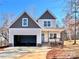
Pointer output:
43, 16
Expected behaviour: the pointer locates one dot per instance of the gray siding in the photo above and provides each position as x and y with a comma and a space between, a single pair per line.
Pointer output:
18, 22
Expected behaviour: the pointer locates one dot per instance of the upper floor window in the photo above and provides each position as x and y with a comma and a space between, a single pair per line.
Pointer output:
24, 22
47, 23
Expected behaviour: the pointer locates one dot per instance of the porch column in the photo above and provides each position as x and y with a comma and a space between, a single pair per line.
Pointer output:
46, 37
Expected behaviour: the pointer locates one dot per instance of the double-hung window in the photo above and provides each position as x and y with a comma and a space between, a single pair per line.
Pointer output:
47, 23
24, 22
53, 36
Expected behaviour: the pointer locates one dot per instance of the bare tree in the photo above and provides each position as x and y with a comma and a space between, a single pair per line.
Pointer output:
67, 24
32, 11
4, 30
73, 15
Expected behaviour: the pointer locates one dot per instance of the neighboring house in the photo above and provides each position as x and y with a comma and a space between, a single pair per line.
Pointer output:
27, 32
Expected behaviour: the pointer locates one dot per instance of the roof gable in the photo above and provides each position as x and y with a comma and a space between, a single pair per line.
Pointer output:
18, 22
47, 15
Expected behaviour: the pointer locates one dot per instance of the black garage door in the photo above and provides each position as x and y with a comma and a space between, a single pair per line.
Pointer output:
24, 40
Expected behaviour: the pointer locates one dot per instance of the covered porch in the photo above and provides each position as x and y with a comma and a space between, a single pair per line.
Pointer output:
52, 36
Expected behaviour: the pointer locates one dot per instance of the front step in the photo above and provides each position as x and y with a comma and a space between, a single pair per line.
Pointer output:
47, 44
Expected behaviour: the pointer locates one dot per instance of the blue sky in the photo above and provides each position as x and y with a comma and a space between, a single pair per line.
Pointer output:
35, 7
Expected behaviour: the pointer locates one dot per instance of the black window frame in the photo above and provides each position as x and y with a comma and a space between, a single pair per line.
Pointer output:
47, 23
53, 36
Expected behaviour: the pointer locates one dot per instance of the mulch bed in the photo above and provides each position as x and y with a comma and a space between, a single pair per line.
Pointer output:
3, 47
61, 54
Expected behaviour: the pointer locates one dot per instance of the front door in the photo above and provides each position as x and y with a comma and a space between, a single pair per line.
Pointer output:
43, 37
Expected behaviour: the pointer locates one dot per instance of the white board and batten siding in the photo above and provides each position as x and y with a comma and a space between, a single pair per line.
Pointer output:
25, 31
53, 22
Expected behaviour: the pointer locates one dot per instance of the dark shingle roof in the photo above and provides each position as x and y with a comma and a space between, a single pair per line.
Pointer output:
47, 15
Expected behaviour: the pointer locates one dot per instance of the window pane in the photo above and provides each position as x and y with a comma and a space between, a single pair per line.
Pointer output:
48, 23
24, 22
55, 36
45, 23
51, 36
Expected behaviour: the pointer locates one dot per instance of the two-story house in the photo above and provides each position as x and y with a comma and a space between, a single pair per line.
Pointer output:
27, 32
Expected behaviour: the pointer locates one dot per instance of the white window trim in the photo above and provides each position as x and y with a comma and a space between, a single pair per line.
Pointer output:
23, 22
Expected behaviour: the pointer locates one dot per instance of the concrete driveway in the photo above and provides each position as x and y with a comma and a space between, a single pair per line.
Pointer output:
24, 53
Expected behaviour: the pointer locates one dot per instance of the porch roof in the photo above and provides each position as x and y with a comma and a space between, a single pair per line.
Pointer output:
54, 29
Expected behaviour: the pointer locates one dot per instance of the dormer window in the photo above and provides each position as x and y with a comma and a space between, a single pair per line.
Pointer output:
24, 22
47, 23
